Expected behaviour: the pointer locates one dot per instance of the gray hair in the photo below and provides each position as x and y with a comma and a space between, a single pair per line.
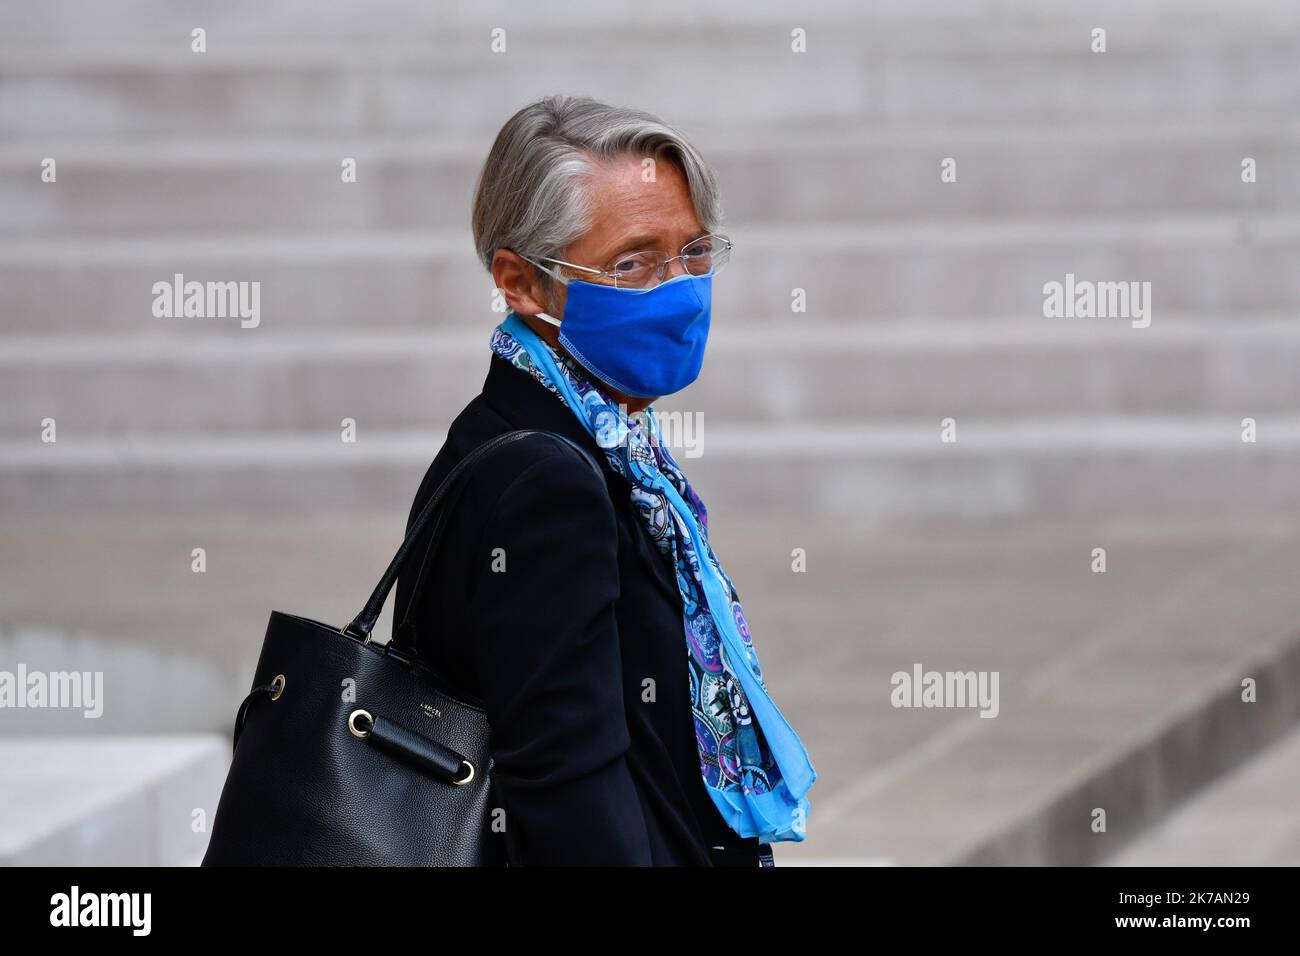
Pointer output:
531, 195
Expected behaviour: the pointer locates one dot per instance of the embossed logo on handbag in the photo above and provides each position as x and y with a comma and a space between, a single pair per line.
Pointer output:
430, 710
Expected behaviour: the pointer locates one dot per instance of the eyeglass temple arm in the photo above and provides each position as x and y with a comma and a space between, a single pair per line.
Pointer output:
573, 265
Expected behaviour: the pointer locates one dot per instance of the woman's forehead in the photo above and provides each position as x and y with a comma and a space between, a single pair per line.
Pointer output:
626, 207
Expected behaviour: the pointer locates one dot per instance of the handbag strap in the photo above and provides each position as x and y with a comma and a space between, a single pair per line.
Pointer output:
449, 504
363, 623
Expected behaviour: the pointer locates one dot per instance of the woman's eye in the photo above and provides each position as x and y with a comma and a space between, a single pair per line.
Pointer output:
628, 265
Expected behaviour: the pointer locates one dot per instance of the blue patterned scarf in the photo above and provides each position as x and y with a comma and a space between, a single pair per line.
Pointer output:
753, 764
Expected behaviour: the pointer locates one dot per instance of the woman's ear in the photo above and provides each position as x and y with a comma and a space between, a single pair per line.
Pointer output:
519, 281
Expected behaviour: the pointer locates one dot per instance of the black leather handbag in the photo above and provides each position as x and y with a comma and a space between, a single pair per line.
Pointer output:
347, 753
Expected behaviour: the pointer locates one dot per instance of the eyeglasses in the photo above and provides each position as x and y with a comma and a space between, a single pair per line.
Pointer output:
645, 270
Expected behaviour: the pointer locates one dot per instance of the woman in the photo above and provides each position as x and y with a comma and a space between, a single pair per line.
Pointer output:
588, 615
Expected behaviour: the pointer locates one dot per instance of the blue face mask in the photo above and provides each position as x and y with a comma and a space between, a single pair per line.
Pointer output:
641, 342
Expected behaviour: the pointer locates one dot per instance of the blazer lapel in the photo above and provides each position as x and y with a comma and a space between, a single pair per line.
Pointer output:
659, 567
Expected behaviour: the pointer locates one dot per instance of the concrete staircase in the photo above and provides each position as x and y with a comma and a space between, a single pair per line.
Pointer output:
924, 302
924, 299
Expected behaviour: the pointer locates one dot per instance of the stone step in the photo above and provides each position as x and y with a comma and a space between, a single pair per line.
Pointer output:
75, 22
1219, 265
1246, 818
1182, 603
170, 186
102, 387
964, 72
106, 800
850, 472
1140, 714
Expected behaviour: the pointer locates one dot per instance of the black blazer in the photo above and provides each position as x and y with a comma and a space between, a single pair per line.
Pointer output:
561, 645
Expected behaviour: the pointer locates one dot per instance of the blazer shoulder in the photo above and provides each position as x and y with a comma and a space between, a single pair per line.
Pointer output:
537, 483
543, 467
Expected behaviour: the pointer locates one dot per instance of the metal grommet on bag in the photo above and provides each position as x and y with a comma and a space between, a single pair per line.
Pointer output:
468, 777
277, 686
352, 723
